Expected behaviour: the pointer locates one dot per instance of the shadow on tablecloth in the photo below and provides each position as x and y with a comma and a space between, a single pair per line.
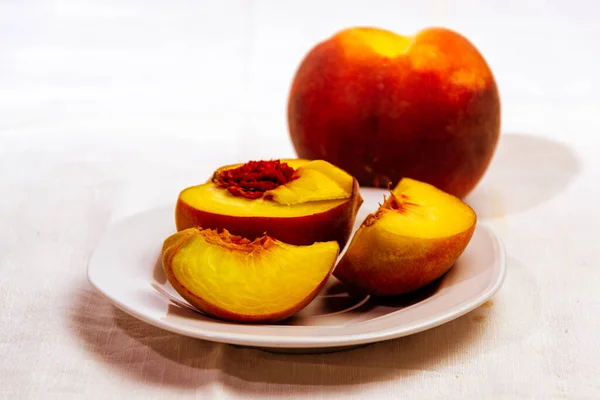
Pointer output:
526, 171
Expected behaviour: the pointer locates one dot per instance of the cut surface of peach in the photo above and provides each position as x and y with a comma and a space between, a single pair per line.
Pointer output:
318, 186
285, 199
236, 279
411, 240
419, 210
316, 181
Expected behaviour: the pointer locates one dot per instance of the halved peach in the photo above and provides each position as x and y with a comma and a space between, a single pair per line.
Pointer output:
235, 279
297, 201
414, 238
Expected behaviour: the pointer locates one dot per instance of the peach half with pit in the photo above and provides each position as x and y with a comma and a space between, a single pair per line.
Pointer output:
239, 280
296, 201
414, 238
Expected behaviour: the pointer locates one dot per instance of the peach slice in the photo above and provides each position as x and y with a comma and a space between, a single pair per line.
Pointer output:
235, 279
411, 240
299, 202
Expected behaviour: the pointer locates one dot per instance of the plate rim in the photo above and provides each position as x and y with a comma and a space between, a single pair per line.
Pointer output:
307, 342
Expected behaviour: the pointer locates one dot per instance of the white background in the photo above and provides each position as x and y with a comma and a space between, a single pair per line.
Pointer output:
111, 107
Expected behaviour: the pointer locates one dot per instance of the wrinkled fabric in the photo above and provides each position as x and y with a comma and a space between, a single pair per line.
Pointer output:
111, 108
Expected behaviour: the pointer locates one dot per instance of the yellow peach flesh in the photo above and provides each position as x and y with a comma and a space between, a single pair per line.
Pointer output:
263, 278
212, 199
319, 187
315, 181
425, 212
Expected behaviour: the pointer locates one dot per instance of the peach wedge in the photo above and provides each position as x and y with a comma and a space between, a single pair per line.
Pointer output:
414, 238
299, 202
235, 279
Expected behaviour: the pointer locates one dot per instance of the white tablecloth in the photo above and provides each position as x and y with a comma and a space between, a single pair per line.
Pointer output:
108, 108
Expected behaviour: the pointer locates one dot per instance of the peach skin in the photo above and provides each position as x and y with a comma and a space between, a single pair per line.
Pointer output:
411, 240
383, 106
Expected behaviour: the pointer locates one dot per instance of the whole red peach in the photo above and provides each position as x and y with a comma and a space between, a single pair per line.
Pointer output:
383, 106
